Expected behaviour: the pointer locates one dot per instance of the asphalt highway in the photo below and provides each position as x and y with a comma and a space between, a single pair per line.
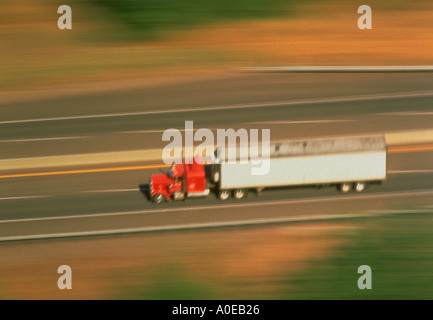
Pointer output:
90, 197
291, 105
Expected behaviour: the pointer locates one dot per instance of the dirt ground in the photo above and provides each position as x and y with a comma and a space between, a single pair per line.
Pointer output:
326, 33
234, 263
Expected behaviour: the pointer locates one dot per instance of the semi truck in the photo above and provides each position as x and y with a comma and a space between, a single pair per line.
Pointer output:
350, 163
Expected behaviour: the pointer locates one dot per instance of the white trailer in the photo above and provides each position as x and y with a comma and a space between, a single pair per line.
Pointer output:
351, 162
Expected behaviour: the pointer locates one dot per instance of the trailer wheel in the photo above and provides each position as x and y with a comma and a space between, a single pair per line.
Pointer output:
345, 187
359, 186
239, 194
158, 198
224, 195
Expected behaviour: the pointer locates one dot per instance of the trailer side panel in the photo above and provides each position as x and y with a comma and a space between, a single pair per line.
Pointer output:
309, 169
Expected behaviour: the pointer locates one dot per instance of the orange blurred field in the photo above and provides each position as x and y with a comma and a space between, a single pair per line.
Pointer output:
36, 54
324, 34
243, 263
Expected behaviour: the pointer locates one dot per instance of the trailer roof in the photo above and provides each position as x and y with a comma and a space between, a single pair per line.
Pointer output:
323, 146
329, 145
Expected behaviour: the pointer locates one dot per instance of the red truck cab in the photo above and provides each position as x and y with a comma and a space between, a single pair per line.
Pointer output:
180, 181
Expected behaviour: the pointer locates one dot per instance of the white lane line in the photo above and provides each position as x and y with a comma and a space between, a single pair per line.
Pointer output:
405, 113
342, 68
162, 130
240, 106
422, 192
410, 171
299, 122
144, 131
24, 197
238, 223
42, 139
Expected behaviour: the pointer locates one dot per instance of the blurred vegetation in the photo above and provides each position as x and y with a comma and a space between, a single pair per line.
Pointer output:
151, 18
399, 250
173, 282
95, 48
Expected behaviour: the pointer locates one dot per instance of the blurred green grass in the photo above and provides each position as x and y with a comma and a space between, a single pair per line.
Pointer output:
153, 18
399, 250
173, 282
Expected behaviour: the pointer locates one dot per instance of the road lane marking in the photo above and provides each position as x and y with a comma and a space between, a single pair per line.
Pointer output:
42, 139
405, 113
410, 171
380, 96
238, 223
110, 190
23, 197
51, 196
342, 68
299, 122
37, 174
416, 148
162, 130
389, 194
215, 129
145, 131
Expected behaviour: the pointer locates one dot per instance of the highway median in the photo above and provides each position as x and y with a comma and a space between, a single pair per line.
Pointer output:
397, 141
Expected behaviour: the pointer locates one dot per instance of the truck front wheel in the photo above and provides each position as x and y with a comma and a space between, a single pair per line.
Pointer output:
223, 195
158, 198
